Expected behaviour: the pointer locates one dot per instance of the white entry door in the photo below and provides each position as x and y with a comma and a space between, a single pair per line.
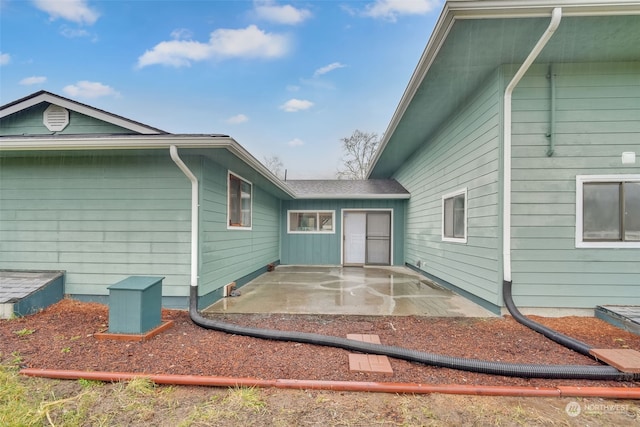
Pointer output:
355, 237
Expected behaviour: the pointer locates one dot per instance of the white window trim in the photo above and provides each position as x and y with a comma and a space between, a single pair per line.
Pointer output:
333, 221
466, 205
580, 180
238, 227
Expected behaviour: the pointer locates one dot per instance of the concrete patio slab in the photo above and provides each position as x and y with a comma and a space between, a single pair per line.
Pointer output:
377, 291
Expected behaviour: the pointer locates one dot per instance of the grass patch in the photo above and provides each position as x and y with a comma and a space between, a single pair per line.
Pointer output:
15, 409
24, 332
238, 407
26, 402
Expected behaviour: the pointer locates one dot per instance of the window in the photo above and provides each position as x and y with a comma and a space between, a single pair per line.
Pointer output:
607, 211
311, 221
454, 216
240, 196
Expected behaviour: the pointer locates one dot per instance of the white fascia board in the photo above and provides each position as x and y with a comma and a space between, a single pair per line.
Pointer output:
82, 109
353, 196
464, 9
125, 142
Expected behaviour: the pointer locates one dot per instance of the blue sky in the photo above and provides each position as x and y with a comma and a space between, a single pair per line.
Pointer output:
283, 78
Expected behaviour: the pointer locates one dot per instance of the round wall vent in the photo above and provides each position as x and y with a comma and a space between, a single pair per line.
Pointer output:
55, 118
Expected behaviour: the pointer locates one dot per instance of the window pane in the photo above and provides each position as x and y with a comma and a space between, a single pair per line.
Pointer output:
234, 201
601, 218
632, 211
239, 202
458, 216
326, 222
245, 189
293, 221
307, 221
302, 221
311, 222
448, 217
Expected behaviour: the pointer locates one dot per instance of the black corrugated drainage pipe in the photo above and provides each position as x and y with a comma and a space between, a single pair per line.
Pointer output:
604, 373
562, 339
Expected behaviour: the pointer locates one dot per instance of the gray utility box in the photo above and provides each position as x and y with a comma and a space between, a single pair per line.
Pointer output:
135, 305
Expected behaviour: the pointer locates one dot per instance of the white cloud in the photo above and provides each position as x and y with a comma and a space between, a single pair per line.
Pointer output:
237, 119
72, 33
250, 42
177, 53
33, 80
72, 10
181, 34
328, 68
5, 58
86, 89
285, 14
390, 9
295, 142
293, 105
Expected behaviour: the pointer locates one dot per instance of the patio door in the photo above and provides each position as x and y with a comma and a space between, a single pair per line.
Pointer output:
367, 238
378, 238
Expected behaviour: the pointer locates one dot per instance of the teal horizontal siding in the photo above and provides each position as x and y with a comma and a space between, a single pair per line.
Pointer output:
324, 248
100, 217
228, 254
598, 118
463, 153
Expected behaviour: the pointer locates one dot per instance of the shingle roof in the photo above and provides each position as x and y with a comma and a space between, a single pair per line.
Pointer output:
348, 189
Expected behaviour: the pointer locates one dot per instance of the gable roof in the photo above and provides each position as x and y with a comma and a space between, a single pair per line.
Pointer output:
473, 38
348, 189
44, 96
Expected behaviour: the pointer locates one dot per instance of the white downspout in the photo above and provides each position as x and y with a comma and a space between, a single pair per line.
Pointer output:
556, 15
173, 150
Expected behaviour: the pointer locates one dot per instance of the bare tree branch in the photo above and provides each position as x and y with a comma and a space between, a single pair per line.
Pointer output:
275, 165
359, 150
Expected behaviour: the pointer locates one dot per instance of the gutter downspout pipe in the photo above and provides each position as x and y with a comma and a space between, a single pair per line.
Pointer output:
173, 151
506, 220
507, 296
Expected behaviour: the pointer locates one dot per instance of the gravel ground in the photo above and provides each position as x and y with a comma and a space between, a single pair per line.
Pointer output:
62, 337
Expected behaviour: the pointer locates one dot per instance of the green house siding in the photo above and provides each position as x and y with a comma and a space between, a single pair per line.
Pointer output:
324, 249
463, 154
98, 216
597, 118
227, 255
29, 122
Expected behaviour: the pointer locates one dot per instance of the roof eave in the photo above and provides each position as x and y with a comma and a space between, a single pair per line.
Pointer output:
112, 142
44, 96
141, 142
463, 9
353, 196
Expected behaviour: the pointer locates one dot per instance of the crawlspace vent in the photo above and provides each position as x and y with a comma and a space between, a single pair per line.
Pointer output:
55, 118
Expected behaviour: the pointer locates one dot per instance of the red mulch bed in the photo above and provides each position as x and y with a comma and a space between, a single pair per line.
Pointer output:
62, 338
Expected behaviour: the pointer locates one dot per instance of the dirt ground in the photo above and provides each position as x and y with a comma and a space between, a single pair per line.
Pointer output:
62, 337
130, 404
